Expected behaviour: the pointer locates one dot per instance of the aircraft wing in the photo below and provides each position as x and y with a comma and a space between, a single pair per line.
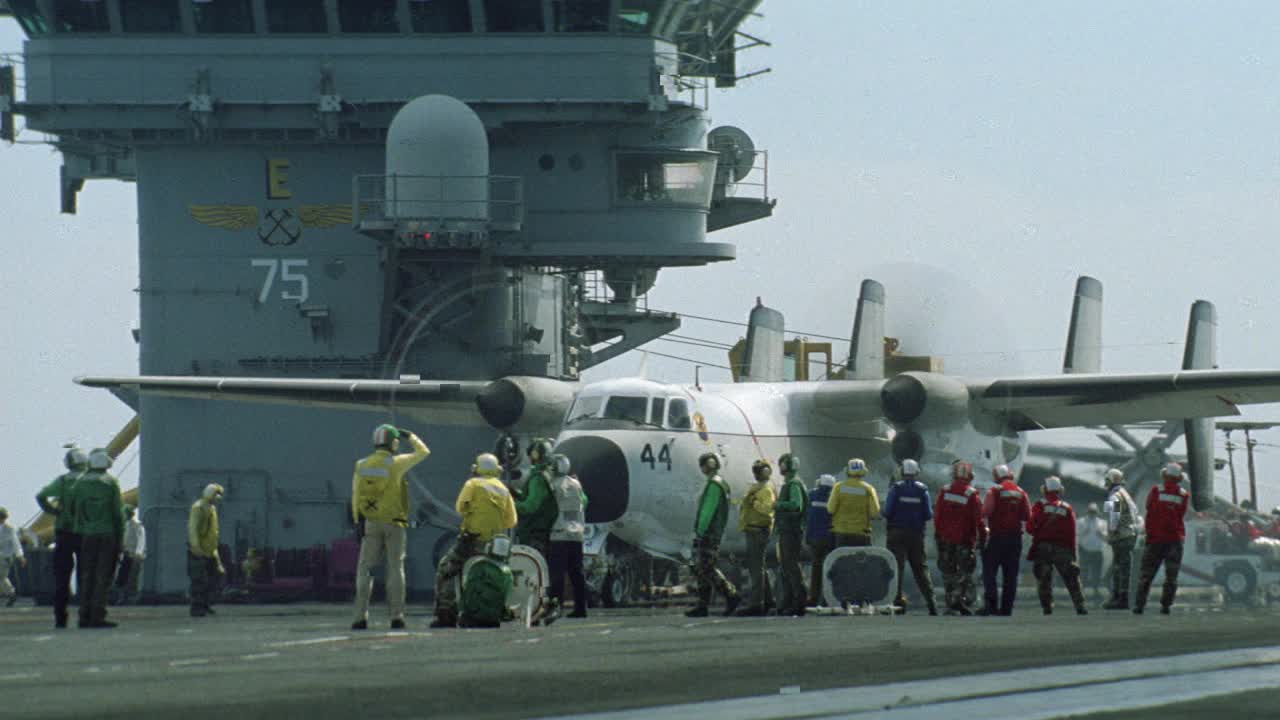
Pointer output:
1081, 400
442, 402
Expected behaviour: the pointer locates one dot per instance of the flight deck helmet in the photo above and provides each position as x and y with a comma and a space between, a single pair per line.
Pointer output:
856, 468
386, 437
709, 463
487, 465
1172, 471
1001, 473
789, 464
1114, 476
1053, 484
761, 470
561, 463
99, 459
961, 470
910, 469
539, 451
75, 459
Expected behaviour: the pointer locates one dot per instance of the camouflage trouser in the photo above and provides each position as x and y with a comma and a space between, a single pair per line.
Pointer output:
450, 568
708, 575
1052, 557
1121, 567
1171, 555
957, 563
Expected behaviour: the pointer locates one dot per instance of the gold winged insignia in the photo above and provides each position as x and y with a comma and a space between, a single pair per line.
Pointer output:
325, 216
226, 217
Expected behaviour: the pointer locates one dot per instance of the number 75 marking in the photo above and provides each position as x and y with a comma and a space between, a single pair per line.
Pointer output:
287, 270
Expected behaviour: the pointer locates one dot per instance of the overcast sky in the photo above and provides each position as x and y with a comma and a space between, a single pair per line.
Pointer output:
1006, 147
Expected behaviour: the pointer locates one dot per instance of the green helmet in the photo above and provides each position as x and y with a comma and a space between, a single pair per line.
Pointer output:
540, 451
789, 464
386, 436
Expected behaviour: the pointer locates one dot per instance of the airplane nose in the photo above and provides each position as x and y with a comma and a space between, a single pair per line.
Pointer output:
602, 469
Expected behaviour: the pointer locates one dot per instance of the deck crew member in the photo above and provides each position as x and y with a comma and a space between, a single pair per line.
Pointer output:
380, 508
99, 520
132, 555
1166, 509
755, 520
818, 535
10, 553
906, 511
54, 499
1123, 526
567, 535
1091, 534
1005, 510
708, 528
487, 510
204, 563
959, 531
535, 504
789, 517
852, 505
1053, 546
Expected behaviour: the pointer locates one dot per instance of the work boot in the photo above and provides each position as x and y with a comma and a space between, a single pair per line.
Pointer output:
1119, 602
933, 609
209, 610
1081, 610
964, 610
1137, 609
397, 624
751, 612
198, 611
12, 599
102, 625
1164, 609
900, 602
697, 612
731, 603
1048, 611
60, 623
360, 625
986, 611
578, 613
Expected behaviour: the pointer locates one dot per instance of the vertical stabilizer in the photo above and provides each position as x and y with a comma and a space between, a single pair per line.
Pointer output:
766, 331
1084, 337
1201, 353
866, 345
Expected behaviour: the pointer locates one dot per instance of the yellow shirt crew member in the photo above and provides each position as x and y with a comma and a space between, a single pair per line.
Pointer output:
379, 489
486, 507
852, 505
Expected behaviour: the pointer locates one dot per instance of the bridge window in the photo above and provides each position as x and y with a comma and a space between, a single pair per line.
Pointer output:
657, 410
81, 16
296, 16
668, 179
580, 15
149, 16
584, 408
223, 16
368, 16
440, 16
637, 16
626, 407
514, 16
678, 414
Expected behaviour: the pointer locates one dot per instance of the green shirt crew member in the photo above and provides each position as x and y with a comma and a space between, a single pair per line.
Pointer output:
99, 520
789, 516
55, 499
708, 529
536, 506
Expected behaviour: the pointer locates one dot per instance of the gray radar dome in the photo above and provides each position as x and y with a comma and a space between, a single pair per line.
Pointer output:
437, 161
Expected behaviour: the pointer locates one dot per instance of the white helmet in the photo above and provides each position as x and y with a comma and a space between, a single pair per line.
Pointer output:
910, 468
487, 464
1053, 483
1114, 476
826, 481
856, 468
561, 464
1002, 473
99, 459
212, 490
75, 459
1172, 471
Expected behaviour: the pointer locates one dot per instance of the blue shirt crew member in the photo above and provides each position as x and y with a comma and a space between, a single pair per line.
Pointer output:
906, 510
818, 534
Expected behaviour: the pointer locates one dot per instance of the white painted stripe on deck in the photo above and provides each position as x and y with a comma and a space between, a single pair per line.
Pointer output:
311, 641
19, 676
1059, 691
259, 656
189, 663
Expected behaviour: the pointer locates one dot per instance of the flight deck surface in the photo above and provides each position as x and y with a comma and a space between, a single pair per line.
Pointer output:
283, 661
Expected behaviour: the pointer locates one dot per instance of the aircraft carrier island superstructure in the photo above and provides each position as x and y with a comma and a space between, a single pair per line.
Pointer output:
380, 188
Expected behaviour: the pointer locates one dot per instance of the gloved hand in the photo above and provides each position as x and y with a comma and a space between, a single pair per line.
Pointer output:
405, 433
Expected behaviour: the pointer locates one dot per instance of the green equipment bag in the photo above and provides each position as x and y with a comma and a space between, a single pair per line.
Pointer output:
485, 587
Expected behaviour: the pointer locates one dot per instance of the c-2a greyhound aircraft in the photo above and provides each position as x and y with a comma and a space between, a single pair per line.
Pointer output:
634, 443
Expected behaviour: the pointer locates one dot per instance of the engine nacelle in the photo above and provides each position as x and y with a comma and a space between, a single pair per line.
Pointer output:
924, 400
526, 404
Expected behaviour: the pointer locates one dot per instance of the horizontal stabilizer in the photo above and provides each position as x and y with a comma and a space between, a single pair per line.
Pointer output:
866, 344
1084, 336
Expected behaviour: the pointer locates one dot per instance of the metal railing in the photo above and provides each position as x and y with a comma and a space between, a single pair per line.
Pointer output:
496, 201
754, 185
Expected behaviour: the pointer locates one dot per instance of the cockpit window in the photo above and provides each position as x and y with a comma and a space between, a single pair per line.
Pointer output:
626, 407
657, 410
583, 408
678, 414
